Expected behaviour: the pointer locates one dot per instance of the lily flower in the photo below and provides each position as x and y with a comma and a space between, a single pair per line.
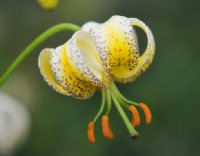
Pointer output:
92, 59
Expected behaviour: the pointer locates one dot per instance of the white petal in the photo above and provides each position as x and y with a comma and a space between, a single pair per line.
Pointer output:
57, 68
67, 77
121, 45
99, 38
56, 65
117, 46
45, 70
87, 26
84, 56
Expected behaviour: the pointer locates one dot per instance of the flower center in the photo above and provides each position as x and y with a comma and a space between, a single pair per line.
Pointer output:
112, 96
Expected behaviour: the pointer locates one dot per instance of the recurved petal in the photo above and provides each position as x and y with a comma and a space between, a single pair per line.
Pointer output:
121, 40
69, 78
84, 57
56, 65
99, 38
45, 69
146, 58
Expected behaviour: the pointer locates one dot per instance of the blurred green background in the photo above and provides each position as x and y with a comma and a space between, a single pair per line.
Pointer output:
170, 87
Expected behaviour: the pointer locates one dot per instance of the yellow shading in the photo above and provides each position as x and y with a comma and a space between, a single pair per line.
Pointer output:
77, 87
94, 62
45, 69
123, 58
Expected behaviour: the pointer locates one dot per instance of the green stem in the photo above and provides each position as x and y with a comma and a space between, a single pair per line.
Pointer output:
128, 124
39, 40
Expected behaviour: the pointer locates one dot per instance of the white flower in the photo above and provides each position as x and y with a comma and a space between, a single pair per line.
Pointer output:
14, 124
92, 59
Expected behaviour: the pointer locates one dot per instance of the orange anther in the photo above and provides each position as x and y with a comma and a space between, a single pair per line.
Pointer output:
147, 112
135, 116
90, 132
107, 132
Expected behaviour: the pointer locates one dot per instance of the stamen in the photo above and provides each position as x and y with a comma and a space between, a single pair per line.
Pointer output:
135, 116
147, 112
101, 106
90, 132
107, 132
132, 131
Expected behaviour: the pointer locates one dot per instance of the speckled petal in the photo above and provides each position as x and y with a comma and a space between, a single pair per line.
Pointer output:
85, 60
56, 65
67, 77
58, 69
122, 42
117, 45
102, 47
146, 59
45, 69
